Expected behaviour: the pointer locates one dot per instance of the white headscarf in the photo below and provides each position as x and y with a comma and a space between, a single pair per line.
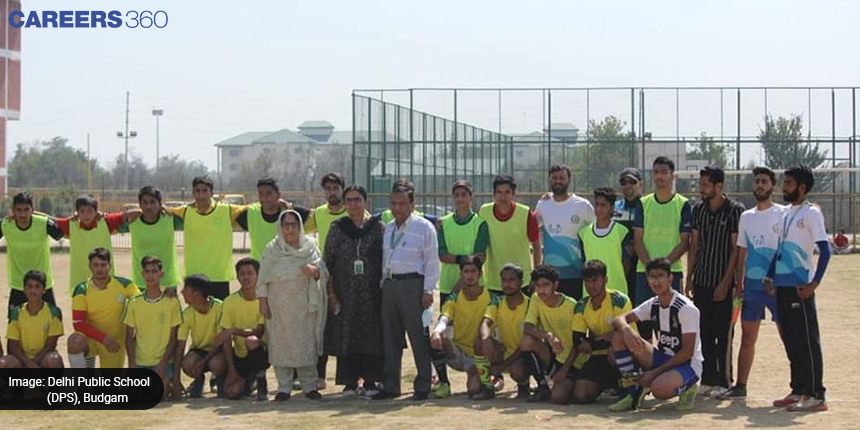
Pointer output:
283, 262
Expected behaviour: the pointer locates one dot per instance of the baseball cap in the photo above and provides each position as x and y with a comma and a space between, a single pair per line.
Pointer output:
631, 172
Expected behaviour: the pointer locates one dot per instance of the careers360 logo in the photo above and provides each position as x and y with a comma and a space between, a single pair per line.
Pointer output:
87, 19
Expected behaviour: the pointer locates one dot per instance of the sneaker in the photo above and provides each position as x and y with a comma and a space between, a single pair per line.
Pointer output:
313, 395
281, 397
350, 391
542, 394
629, 379
630, 401
705, 390
736, 392
297, 386
808, 404
717, 392
443, 391
486, 393
786, 401
523, 392
687, 399
498, 383
384, 395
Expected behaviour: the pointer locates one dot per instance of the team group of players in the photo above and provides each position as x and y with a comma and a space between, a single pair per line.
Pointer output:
568, 294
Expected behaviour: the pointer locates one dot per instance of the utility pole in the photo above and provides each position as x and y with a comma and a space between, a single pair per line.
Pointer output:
126, 136
89, 174
157, 113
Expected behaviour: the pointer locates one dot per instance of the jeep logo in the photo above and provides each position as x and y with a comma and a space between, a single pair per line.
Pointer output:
670, 341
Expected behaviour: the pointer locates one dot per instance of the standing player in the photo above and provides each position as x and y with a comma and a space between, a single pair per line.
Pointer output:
460, 234
260, 219
27, 248
561, 219
200, 321
87, 230
790, 271
34, 328
661, 229
711, 266
208, 236
514, 233
322, 217
153, 234
506, 315
152, 320
673, 367
630, 181
592, 335
464, 311
97, 307
242, 328
758, 237
607, 240
547, 334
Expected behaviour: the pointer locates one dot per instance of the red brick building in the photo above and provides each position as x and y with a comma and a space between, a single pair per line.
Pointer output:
10, 79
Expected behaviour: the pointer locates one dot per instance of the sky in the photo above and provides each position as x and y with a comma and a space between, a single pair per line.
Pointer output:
219, 68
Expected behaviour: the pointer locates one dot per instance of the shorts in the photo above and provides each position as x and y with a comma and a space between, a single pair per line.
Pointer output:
643, 290
107, 359
168, 374
201, 354
598, 370
754, 304
688, 374
220, 290
256, 361
571, 288
556, 366
461, 361
18, 298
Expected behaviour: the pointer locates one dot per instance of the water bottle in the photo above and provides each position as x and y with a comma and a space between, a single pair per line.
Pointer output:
427, 317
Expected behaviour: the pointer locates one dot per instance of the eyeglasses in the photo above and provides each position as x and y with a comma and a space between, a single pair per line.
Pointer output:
627, 181
354, 201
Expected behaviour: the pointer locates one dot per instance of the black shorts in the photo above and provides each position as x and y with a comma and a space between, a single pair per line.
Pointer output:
220, 290
599, 370
200, 353
18, 298
256, 360
571, 288
556, 366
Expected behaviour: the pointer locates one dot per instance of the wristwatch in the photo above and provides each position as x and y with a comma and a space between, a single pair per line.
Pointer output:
767, 280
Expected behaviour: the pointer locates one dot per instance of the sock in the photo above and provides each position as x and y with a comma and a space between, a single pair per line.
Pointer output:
439, 363
77, 361
91, 362
483, 366
624, 361
538, 370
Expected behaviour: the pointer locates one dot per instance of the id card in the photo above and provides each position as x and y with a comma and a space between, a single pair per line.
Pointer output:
358, 267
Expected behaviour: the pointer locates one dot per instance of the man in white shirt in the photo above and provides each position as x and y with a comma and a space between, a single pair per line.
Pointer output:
672, 367
560, 219
790, 271
758, 236
410, 265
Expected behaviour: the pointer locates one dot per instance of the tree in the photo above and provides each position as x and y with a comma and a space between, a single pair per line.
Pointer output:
784, 145
704, 148
608, 150
51, 163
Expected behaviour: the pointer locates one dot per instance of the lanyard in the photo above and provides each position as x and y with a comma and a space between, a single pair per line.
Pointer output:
358, 250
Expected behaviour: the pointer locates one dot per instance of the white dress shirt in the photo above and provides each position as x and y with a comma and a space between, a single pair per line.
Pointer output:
416, 250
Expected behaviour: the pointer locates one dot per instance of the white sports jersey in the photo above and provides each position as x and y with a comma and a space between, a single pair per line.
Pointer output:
560, 223
800, 228
680, 317
758, 232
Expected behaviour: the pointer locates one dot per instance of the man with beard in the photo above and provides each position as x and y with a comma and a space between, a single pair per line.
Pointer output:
790, 271
560, 220
710, 276
758, 236
625, 212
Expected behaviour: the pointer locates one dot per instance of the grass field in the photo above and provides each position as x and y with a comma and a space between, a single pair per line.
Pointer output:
840, 327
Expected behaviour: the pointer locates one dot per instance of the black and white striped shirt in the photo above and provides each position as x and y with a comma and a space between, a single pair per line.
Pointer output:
715, 241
